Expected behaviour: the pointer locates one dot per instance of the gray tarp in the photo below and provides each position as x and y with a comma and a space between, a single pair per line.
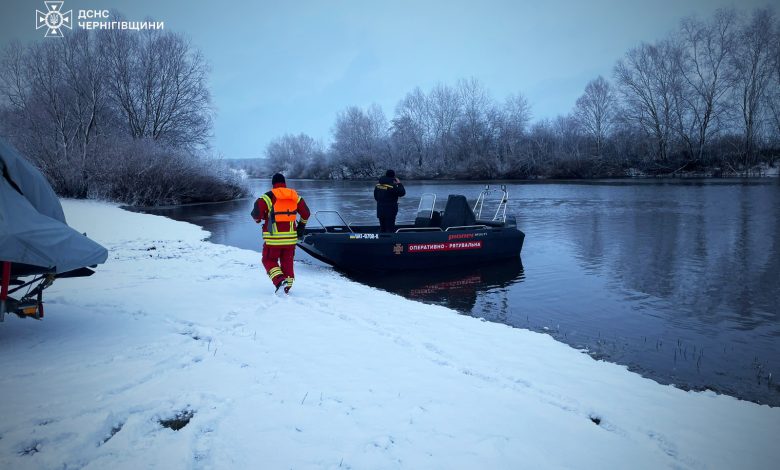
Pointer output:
32, 224
30, 182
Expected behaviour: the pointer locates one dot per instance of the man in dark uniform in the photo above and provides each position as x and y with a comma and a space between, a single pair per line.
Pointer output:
386, 193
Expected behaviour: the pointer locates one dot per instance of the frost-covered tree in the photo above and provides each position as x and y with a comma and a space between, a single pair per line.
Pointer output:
595, 110
360, 141
159, 81
649, 80
752, 67
706, 47
297, 156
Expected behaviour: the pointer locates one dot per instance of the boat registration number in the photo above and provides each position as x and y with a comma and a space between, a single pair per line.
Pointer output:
364, 236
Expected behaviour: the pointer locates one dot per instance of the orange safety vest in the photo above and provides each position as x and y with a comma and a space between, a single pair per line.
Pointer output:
283, 209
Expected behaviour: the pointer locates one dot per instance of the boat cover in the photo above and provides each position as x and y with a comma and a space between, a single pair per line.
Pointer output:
32, 224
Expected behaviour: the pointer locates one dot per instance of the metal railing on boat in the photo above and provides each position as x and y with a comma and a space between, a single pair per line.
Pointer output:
419, 229
316, 216
500, 214
348, 226
466, 227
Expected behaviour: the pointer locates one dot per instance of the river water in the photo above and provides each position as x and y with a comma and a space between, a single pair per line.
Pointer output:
678, 280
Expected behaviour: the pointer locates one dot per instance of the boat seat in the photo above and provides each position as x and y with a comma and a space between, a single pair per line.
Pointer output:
457, 213
423, 221
436, 219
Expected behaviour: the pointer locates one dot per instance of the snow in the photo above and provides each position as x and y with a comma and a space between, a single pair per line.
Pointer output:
768, 170
337, 375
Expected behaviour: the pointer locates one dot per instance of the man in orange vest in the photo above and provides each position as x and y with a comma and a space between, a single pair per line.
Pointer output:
279, 208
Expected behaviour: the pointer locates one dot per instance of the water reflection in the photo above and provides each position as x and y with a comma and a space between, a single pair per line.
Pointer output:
457, 288
682, 284
717, 255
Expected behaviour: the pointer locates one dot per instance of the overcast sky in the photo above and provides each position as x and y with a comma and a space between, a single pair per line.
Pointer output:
291, 66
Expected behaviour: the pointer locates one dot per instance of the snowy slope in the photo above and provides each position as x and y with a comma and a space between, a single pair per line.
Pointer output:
338, 375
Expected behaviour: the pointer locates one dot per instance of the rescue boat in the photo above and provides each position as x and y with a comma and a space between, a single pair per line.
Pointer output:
457, 236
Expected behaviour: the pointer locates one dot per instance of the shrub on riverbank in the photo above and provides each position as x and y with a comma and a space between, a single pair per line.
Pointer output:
142, 173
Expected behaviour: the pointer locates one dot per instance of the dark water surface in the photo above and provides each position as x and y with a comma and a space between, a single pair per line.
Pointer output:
678, 280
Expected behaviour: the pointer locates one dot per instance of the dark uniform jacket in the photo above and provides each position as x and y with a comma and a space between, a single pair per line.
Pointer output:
386, 193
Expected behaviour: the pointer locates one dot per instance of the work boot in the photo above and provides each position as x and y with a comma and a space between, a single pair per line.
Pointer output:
288, 283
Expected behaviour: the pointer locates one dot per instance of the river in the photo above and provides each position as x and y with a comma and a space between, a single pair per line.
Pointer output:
678, 280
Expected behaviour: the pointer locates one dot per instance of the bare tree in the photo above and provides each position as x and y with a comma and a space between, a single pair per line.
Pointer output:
84, 64
56, 101
19, 122
47, 79
517, 113
413, 125
541, 146
407, 143
706, 47
752, 67
648, 82
516, 117
159, 81
42, 112
474, 133
473, 122
446, 107
595, 109
773, 91
507, 127
568, 136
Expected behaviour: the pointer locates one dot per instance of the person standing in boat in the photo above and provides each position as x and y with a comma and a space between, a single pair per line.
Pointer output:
386, 192
279, 208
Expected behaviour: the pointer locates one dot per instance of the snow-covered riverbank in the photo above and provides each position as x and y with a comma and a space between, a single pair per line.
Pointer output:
338, 375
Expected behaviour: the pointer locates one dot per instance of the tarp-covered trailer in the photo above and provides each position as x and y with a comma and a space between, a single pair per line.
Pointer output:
36, 244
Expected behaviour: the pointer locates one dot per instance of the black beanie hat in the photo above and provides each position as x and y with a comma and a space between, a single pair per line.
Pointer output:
278, 178
390, 174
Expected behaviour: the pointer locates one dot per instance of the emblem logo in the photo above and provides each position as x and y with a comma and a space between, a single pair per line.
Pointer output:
54, 19
398, 249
